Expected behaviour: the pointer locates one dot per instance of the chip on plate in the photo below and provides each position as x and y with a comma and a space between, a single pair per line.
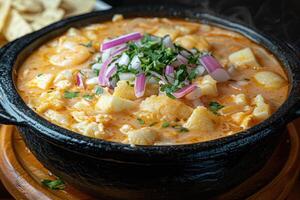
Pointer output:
16, 26
4, 11
76, 7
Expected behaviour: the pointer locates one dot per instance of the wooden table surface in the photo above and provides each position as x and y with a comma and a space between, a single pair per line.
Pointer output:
294, 195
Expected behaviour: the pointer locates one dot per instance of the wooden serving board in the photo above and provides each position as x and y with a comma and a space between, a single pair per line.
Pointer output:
22, 174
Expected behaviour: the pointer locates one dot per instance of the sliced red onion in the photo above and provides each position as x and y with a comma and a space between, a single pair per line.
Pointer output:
195, 94
184, 91
185, 53
180, 60
169, 70
140, 85
119, 50
167, 42
120, 40
102, 79
214, 68
79, 80
127, 76
111, 70
124, 59
135, 63
159, 77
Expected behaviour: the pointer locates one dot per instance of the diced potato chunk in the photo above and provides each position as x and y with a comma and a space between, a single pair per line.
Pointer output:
57, 117
79, 116
230, 109
247, 121
124, 90
163, 31
202, 120
126, 128
269, 79
42, 81
53, 100
244, 59
62, 85
240, 99
82, 105
193, 41
163, 108
143, 136
208, 86
91, 129
238, 117
262, 110
111, 104
64, 75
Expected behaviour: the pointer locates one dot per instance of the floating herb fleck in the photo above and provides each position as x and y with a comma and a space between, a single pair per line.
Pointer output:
99, 90
141, 121
57, 184
165, 125
180, 128
215, 107
88, 97
70, 95
88, 45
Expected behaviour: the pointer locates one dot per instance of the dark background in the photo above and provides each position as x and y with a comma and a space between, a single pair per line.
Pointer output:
279, 18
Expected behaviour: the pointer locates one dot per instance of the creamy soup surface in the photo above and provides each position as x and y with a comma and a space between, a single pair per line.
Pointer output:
153, 81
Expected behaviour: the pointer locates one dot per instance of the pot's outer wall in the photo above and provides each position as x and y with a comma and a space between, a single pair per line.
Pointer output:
114, 170
112, 179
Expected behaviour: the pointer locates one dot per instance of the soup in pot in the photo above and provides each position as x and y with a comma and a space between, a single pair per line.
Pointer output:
153, 81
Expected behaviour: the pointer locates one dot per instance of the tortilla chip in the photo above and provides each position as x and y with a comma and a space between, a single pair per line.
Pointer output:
76, 7
49, 16
16, 26
28, 5
51, 4
4, 12
30, 17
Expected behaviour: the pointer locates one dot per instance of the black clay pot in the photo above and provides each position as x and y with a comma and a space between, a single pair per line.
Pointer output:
113, 170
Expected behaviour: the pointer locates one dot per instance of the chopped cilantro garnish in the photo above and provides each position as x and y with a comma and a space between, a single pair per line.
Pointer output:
165, 125
57, 184
99, 90
88, 45
88, 97
70, 95
141, 121
180, 128
215, 107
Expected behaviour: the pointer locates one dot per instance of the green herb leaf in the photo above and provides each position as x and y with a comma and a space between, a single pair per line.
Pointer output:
88, 45
165, 125
141, 121
70, 95
88, 97
54, 184
215, 107
99, 90
180, 128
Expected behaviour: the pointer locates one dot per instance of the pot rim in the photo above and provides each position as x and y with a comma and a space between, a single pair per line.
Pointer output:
15, 106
